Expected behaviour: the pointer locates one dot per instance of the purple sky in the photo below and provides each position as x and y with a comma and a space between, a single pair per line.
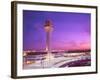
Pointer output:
71, 30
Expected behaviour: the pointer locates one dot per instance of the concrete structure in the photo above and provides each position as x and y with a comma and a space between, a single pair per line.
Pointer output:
48, 29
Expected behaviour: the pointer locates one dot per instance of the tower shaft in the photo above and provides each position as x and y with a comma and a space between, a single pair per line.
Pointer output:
48, 42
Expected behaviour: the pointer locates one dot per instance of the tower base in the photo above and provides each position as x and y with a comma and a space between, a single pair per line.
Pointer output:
49, 60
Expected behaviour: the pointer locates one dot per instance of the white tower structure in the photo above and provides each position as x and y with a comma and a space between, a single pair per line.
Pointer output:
48, 29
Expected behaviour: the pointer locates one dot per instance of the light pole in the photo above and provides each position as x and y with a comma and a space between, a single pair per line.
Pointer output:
48, 29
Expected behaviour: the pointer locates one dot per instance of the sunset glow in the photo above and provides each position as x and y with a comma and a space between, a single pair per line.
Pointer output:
70, 30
